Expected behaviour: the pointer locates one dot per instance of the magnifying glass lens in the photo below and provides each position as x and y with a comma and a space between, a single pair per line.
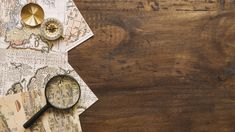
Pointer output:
62, 92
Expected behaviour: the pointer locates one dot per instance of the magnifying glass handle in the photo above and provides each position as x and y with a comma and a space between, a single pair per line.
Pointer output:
30, 122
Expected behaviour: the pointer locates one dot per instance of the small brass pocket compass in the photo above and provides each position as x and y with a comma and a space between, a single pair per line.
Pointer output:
32, 15
51, 29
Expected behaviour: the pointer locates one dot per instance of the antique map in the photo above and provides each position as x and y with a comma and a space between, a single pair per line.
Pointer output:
28, 61
26, 70
19, 109
14, 35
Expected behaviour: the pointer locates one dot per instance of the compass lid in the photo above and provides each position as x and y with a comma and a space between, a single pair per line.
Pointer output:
32, 14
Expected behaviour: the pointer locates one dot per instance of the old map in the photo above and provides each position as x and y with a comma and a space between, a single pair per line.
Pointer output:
14, 35
18, 109
22, 71
28, 61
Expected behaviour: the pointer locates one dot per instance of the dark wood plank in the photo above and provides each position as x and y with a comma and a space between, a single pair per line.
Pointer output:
159, 65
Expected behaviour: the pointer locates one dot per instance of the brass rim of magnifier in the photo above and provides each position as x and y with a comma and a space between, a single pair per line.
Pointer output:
32, 14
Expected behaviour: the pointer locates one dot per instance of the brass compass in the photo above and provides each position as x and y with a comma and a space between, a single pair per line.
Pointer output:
32, 15
51, 29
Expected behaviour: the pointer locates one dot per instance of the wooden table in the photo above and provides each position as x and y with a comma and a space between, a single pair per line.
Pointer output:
159, 65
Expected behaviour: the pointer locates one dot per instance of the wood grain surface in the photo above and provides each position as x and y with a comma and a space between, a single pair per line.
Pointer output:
159, 65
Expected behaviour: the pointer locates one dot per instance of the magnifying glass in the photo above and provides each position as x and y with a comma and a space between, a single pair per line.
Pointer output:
62, 92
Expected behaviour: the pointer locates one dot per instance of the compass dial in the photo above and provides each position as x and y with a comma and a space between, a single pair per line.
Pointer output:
51, 29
